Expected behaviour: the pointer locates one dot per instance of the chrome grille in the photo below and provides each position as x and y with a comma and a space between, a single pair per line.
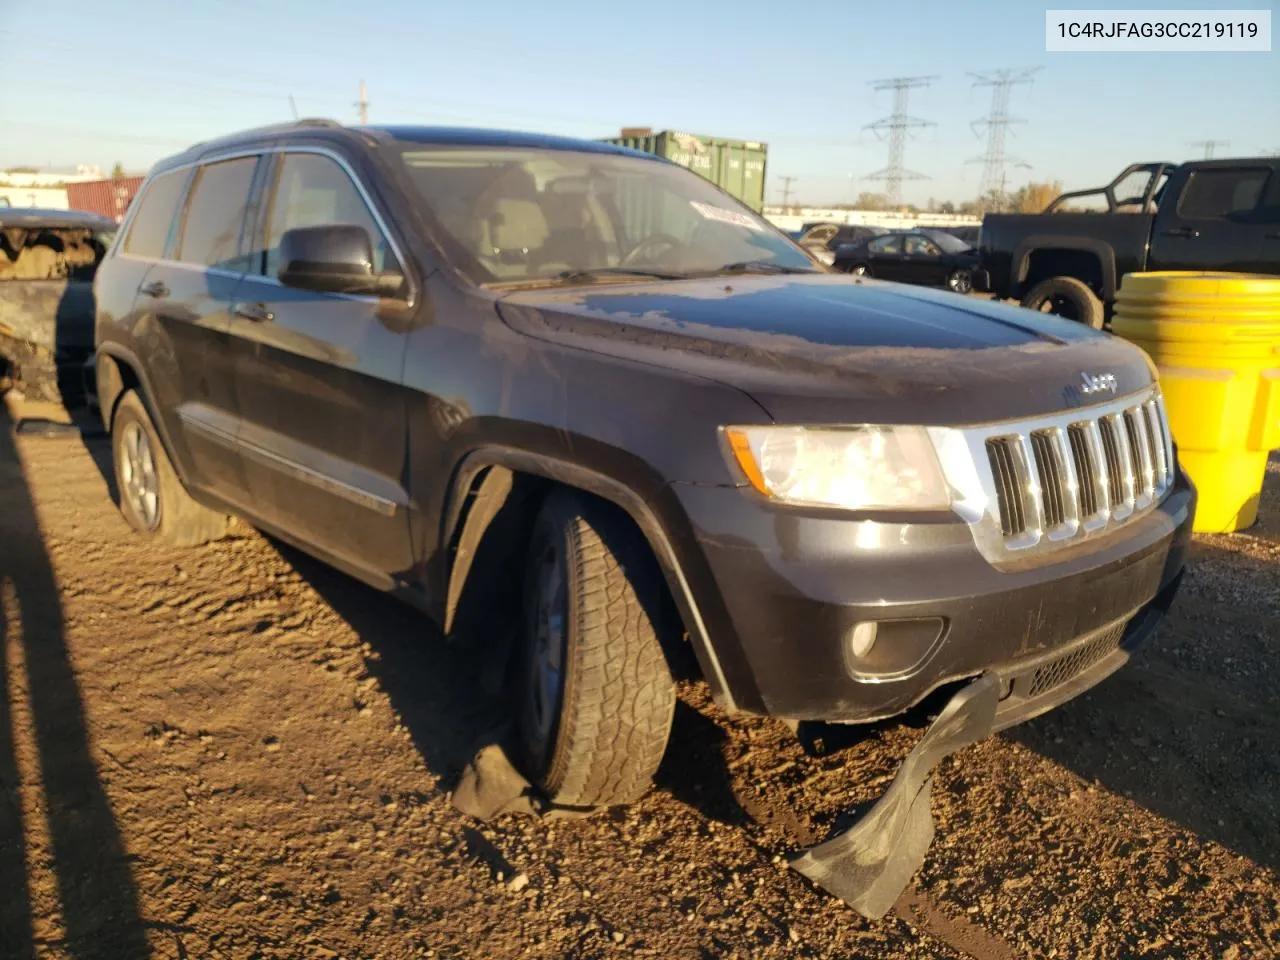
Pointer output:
1055, 480
1001, 451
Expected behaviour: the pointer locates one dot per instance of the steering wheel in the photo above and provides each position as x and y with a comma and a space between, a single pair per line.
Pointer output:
659, 242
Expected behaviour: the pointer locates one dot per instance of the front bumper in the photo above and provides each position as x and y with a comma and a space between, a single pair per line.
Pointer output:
790, 586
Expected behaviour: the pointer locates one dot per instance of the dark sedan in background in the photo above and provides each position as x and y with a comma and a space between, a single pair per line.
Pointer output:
931, 258
823, 239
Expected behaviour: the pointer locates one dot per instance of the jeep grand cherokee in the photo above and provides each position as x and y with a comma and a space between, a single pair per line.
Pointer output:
431, 356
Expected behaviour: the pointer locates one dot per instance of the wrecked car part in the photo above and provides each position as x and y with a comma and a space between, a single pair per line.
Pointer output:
871, 863
490, 786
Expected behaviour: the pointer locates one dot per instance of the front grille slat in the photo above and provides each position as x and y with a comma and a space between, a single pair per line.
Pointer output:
1059, 479
1135, 427
1155, 435
1115, 468
1013, 520
1052, 482
1086, 476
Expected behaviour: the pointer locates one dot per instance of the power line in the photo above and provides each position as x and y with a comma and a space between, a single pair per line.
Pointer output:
997, 123
1209, 146
895, 128
786, 190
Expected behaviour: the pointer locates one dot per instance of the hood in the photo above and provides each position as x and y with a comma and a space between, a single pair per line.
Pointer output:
828, 348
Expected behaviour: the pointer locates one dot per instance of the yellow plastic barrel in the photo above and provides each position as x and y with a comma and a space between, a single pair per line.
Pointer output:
1215, 338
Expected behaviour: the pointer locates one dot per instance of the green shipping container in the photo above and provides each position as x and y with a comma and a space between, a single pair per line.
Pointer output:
735, 166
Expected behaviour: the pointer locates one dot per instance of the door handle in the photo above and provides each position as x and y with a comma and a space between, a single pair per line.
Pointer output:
154, 289
1188, 232
254, 312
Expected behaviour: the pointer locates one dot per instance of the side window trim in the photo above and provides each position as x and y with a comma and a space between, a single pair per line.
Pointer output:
193, 181
127, 227
1189, 185
370, 206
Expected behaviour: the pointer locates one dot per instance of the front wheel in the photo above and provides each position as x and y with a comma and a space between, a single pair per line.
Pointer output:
960, 281
594, 691
152, 498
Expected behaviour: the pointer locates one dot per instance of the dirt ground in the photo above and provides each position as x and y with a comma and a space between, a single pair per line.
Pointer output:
234, 751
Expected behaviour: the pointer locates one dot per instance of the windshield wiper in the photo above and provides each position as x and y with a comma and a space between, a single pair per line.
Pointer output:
759, 266
593, 273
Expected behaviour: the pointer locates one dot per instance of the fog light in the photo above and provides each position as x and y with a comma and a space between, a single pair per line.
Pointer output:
862, 638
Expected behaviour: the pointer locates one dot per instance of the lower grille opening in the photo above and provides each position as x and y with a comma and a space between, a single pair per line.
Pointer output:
1057, 672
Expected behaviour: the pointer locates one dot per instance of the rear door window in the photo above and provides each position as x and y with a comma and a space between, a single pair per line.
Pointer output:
889, 244
149, 233
215, 215
1222, 193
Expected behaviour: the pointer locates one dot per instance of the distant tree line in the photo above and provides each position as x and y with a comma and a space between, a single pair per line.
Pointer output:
1029, 198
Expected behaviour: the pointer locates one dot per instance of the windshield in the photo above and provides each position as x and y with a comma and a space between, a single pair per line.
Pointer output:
947, 242
515, 215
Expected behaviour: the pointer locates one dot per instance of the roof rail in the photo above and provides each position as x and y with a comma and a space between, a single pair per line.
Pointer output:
318, 122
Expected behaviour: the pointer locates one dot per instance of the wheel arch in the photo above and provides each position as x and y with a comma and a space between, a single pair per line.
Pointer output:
1044, 245
490, 477
118, 370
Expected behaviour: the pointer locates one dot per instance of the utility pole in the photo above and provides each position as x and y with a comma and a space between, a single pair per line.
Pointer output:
363, 104
786, 191
1209, 146
996, 124
895, 128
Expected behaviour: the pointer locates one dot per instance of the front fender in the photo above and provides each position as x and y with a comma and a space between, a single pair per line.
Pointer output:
657, 515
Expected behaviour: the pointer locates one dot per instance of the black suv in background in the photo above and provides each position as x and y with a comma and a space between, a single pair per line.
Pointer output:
443, 358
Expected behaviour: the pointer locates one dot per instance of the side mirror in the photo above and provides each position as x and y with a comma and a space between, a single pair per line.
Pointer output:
334, 258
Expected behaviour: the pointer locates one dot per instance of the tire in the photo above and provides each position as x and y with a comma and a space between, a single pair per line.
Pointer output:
1068, 298
152, 498
960, 281
595, 697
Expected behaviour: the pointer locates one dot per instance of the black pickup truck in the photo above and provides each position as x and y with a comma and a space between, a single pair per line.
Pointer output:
1069, 260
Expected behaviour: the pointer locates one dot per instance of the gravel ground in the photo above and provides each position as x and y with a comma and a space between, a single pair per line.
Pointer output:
234, 751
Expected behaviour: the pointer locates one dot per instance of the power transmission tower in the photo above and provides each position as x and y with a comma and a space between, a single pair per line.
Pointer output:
997, 123
363, 104
1209, 146
895, 128
786, 191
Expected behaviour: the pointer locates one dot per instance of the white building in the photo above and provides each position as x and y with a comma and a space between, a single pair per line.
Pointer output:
796, 217
51, 178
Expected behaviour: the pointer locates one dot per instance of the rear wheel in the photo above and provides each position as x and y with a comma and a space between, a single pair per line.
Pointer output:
960, 281
152, 498
860, 270
594, 691
1068, 298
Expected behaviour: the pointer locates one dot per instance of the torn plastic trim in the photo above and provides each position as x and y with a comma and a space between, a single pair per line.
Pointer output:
871, 863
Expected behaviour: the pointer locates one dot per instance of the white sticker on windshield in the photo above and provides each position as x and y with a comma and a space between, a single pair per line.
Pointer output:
726, 216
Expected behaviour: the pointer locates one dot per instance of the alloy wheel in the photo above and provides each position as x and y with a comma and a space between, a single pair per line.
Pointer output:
140, 480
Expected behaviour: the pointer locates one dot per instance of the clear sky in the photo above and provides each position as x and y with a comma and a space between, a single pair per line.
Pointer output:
88, 82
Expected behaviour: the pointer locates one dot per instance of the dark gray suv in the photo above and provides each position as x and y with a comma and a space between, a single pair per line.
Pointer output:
642, 415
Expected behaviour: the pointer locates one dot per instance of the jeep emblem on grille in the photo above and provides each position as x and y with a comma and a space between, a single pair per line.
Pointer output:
1102, 383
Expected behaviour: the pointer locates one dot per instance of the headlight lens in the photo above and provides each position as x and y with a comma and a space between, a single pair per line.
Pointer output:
856, 468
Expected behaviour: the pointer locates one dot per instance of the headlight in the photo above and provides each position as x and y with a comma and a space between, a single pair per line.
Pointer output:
856, 468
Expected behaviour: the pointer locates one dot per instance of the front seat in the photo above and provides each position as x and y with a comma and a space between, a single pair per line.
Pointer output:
512, 225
